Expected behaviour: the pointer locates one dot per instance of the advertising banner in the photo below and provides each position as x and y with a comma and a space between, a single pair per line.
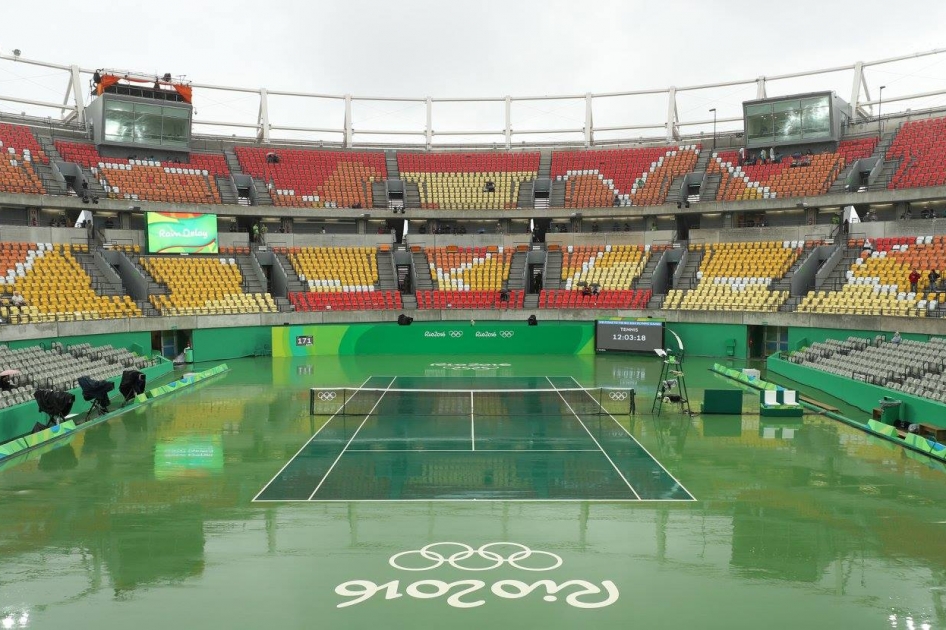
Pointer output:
181, 232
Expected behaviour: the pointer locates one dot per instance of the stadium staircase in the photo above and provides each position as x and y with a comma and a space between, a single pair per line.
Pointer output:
228, 191
379, 195
263, 198
52, 179
105, 285
293, 283
390, 162
387, 275
889, 167
517, 271
557, 194
233, 163
645, 282
526, 197
545, 163
688, 279
552, 275
422, 279
411, 195
785, 282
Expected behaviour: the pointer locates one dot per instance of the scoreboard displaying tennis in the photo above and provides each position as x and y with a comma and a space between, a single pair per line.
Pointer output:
615, 335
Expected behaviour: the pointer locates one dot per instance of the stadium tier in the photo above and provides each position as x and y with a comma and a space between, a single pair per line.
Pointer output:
621, 177
305, 178
370, 300
921, 148
469, 268
203, 286
607, 266
469, 299
54, 286
149, 180
336, 269
18, 150
737, 277
475, 181
878, 282
796, 175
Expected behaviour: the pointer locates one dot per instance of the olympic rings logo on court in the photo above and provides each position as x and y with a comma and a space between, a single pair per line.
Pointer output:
456, 333
327, 395
506, 334
617, 395
428, 558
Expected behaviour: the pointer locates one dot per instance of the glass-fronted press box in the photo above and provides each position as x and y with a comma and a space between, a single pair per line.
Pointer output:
795, 120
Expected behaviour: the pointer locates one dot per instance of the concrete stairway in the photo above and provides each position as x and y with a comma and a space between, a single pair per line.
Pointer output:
552, 275
293, 284
557, 195
688, 279
263, 198
411, 195
228, 192
100, 283
52, 179
232, 162
422, 279
387, 276
785, 282
676, 193
526, 198
703, 160
710, 187
838, 276
390, 162
645, 280
517, 272
251, 283
545, 162
379, 195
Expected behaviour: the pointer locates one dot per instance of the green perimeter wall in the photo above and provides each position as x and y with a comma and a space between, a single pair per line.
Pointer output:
709, 340
218, 344
864, 396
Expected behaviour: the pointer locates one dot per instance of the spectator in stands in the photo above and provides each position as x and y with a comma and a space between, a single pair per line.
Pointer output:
323, 229
595, 290
17, 299
262, 233
586, 291
489, 186
504, 295
272, 158
868, 246
537, 283
934, 278
896, 339
914, 279
845, 227
6, 383
742, 155
762, 156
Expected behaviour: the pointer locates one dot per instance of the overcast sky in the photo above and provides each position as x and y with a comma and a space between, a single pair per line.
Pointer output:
485, 48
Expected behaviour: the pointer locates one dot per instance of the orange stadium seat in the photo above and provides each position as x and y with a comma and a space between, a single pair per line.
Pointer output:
18, 150
624, 177
305, 178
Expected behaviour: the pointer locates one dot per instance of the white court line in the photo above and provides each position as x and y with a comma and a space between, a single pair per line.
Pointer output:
630, 435
472, 424
591, 435
309, 441
353, 436
457, 450
490, 500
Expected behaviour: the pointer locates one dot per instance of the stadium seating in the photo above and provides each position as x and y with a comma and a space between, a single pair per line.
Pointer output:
305, 178
148, 180
346, 301
469, 268
878, 281
458, 181
469, 299
736, 277
54, 285
201, 285
18, 150
913, 367
921, 148
624, 177
797, 176
608, 266
336, 269
606, 299
60, 367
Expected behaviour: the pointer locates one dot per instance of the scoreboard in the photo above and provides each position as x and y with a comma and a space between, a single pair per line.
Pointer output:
616, 335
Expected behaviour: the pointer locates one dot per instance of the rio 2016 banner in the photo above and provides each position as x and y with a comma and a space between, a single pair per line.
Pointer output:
182, 232
495, 338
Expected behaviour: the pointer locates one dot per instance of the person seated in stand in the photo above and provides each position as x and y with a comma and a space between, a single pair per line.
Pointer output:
586, 291
489, 186
6, 383
17, 299
504, 295
896, 339
868, 246
595, 290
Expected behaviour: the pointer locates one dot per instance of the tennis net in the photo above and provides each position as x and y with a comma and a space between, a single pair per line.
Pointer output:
352, 401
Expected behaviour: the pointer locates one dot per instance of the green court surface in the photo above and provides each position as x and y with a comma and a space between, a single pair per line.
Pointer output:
232, 507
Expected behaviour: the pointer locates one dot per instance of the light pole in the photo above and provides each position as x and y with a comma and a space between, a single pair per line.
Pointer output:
880, 106
714, 129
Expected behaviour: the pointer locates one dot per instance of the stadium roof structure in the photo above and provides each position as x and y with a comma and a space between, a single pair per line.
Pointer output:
668, 114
